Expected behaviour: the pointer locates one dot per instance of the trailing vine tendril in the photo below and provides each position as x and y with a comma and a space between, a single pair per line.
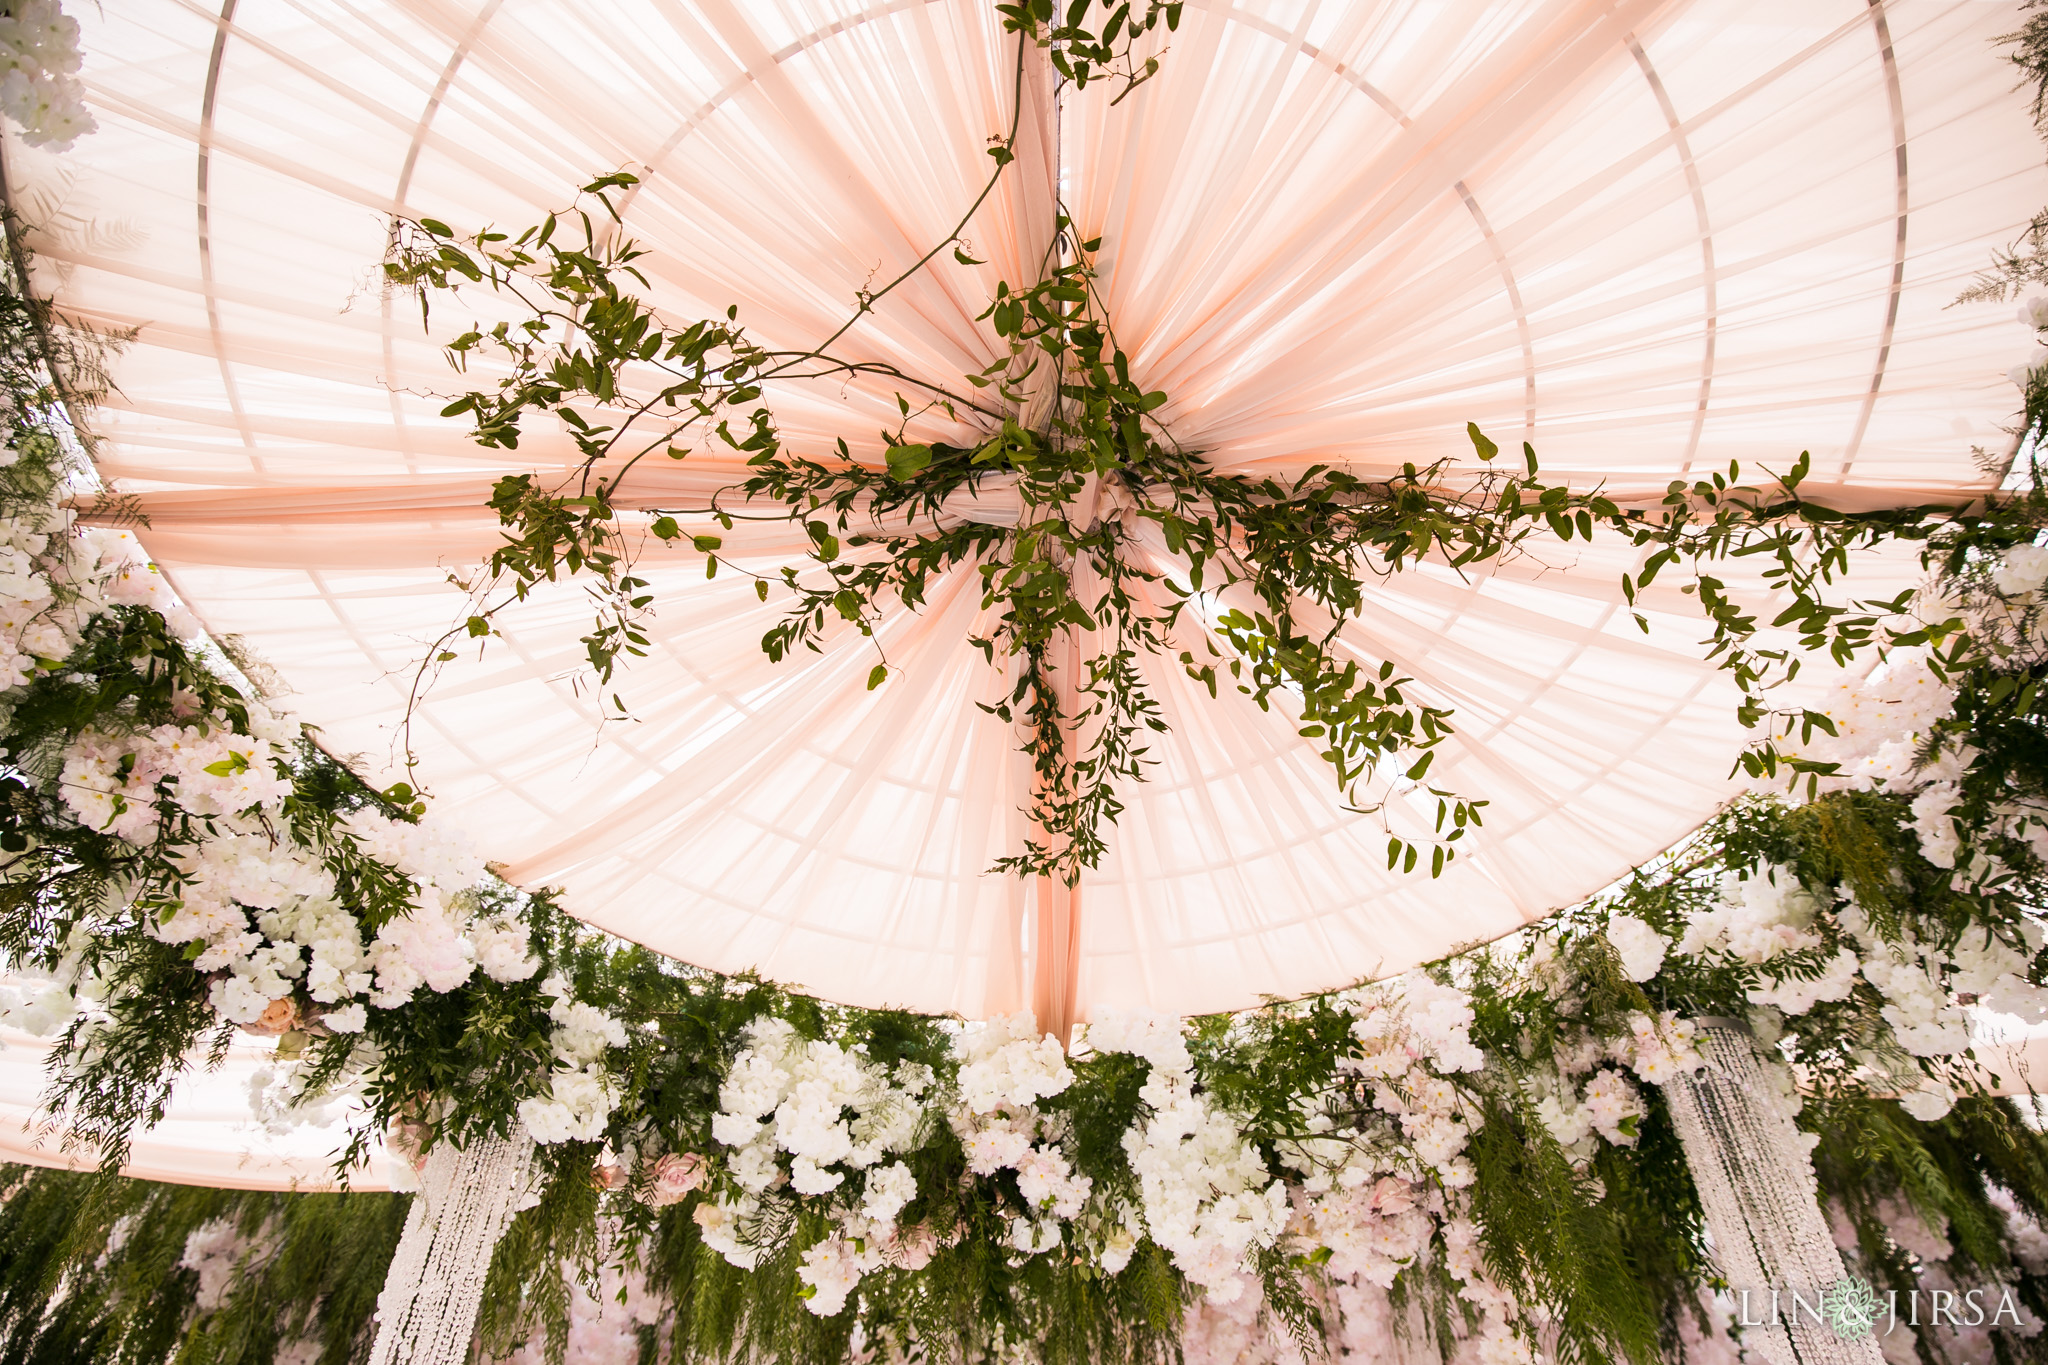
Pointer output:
1123, 538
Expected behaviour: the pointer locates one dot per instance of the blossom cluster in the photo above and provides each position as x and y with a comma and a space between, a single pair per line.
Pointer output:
39, 86
817, 1119
1005, 1068
226, 865
1385, 1188
255, 901
1813, 945
605, 1318
218, 1255
1208, 1198
581, 1093
1769, 921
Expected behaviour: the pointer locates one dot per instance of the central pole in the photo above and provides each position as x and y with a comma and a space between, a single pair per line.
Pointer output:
1056, 964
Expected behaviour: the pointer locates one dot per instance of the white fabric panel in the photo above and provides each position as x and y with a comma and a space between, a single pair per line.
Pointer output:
208, 1138
1652, 237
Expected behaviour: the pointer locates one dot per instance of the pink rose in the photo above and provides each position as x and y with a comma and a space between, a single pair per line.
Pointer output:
673, 1178
911, 1247
608, 1177
1393, 1196
279, 1017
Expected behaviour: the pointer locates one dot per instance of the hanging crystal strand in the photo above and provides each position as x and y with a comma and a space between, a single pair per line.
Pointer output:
431, 1293
1762, 1206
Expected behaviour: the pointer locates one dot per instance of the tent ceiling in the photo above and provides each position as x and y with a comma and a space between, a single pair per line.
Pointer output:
1651, 237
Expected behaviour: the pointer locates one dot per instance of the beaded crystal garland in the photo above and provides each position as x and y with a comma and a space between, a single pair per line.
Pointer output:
1755, 1178
427, 1312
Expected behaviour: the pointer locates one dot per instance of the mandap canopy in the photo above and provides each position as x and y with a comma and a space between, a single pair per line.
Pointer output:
1650, 238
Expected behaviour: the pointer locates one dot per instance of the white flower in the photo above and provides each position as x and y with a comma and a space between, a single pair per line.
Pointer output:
888, 1189
1931, 1101
242, 1000
423, 947
216, 1253
721, 1225
500, 946
1155, 1037
1613, 1107
1795, 996
42, 1009
577, 1107
831, 1268
995, 1145
1758, 917
807, 1177
1937, 832
582, 1033
1048, 1183
1640, 947
429, 851
1207, 1196
1498, 1344
1034, 1239
2021, 569
1006, 1064
754, 1167
1119, 1246
348, 1019
1661, 1048
39, 56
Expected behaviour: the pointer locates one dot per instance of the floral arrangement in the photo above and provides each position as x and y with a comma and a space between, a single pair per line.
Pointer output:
203, 839
39, 87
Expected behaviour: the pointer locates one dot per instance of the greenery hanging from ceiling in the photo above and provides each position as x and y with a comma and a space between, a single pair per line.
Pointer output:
1100, 492
1475, 1159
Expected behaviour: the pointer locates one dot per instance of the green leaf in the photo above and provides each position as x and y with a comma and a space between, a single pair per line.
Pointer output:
907, 461
877, 676
665, 528
1487, 449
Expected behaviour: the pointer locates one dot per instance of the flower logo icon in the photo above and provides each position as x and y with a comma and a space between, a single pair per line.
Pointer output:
1852, 1307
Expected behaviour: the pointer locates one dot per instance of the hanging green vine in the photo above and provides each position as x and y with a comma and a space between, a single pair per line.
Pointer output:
1272, 569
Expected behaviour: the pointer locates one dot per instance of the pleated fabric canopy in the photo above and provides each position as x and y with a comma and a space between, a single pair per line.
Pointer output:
207, 1138
1650, 238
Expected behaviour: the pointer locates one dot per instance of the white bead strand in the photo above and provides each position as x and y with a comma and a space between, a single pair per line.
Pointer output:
1762, 1206
427, 1312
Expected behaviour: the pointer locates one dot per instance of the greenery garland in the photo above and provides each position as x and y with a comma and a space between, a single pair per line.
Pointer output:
1076, 440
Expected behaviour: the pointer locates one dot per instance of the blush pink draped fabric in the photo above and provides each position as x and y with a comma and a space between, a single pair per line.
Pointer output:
1651, 238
